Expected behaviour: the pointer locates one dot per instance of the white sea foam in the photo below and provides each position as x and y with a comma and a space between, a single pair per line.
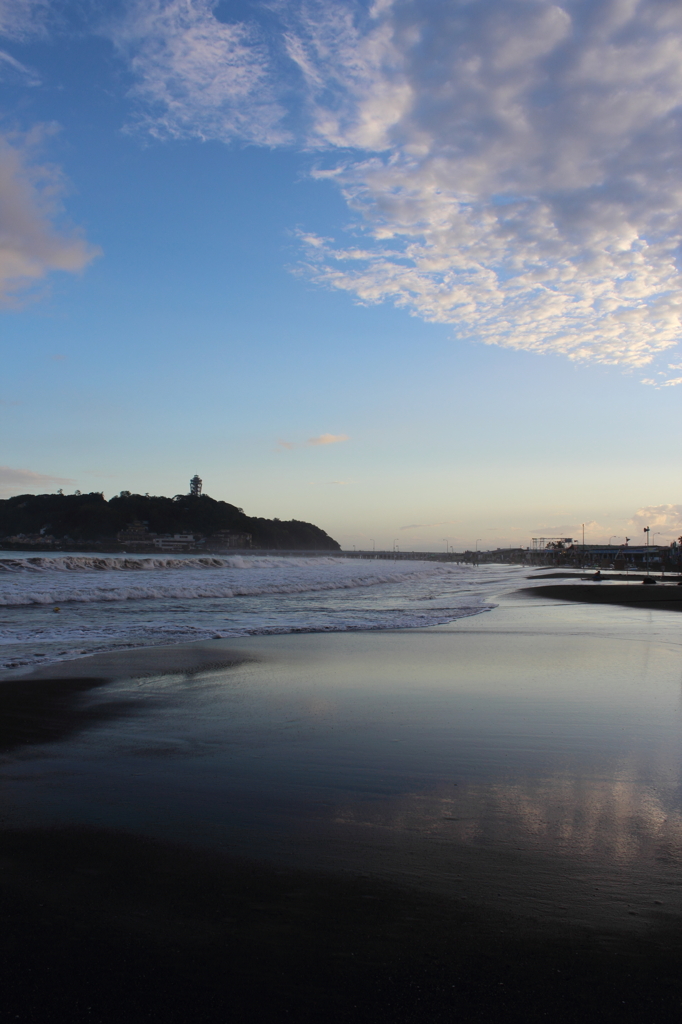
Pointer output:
109, 603
120, 563
41, 580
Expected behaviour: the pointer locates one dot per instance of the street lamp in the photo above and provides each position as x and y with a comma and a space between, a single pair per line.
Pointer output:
647, 530
446, 542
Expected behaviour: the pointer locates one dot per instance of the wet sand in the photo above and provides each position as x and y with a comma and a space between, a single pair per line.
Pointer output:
475, 822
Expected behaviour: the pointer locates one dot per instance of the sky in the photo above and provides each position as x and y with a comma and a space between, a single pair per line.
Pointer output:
406, 269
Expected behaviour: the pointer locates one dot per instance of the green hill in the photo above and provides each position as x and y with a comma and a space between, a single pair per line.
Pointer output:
90, 520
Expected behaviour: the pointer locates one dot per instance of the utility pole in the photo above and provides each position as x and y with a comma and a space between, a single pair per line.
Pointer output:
583, 565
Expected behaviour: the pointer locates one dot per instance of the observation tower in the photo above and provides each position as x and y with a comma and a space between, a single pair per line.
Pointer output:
195, 486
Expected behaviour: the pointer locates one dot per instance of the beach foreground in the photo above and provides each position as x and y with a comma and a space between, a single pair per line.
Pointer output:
478, 821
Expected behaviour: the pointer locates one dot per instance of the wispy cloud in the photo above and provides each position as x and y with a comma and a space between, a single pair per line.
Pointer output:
19, 481
11, 68
427, 526
21, 19
352, 63
313, 442
196, 76
328, 439
32, 243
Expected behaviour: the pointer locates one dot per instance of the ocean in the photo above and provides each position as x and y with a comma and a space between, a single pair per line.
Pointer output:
61, 606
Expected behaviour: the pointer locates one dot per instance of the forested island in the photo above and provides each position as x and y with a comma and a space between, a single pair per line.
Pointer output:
142, 522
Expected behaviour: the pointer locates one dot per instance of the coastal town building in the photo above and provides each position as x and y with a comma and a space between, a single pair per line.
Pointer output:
229, 539
178, 542
136, 535
33, 540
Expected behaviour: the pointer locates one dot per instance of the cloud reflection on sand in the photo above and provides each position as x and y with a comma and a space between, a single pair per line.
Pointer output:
617, 819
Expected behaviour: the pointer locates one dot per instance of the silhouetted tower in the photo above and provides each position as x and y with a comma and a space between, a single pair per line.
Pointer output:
195, 486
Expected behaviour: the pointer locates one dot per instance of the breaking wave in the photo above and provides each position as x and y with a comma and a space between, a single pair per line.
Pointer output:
89, 563
116, 603
41, 580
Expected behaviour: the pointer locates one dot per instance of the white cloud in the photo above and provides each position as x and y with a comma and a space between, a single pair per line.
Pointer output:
31, 244
25, 481
667, 518
353, 70
671, 382
527, 178
197, 77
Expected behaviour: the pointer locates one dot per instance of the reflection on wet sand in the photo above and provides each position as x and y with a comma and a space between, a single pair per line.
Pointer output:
615, 820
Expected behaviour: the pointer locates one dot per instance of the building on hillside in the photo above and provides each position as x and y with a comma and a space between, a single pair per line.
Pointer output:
33, 540
136, 535
195, 485
178, 542
228, 539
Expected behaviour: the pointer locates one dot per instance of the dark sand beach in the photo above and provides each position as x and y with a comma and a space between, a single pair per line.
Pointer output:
613, 588
475, 822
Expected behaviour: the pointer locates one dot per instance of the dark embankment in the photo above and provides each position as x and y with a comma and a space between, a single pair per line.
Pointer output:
665, 596
104, 927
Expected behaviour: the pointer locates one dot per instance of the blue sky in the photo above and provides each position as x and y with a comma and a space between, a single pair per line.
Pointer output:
408, 271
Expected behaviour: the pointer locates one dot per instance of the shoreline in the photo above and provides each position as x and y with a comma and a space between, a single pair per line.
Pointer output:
47, 704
